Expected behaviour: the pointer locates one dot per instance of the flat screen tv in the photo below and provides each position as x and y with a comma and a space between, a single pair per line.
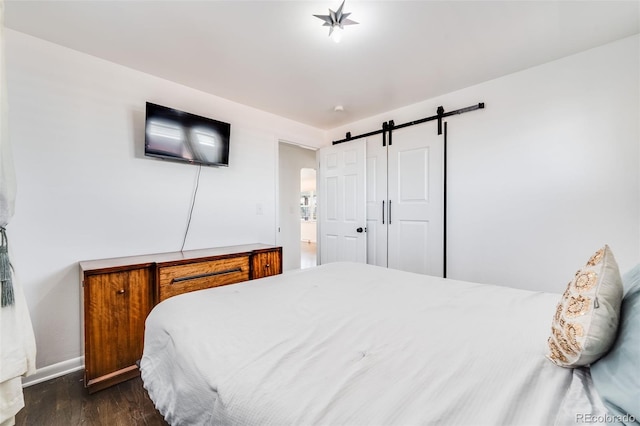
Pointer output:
176, 135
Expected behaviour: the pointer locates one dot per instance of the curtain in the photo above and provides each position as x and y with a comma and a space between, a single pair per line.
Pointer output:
17, 342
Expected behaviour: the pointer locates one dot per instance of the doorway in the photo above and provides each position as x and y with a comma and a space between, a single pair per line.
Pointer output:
291, 160
308, 218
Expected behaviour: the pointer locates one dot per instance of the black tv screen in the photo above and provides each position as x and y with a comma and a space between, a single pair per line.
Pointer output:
180, 136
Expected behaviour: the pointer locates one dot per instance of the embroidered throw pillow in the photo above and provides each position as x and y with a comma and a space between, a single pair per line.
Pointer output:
586, 319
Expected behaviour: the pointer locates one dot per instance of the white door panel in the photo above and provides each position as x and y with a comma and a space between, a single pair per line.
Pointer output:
413, 175
342, 202
416, 200
401, 202
376, 201
412, 253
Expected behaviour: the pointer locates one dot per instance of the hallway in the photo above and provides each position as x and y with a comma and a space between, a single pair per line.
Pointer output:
307, 254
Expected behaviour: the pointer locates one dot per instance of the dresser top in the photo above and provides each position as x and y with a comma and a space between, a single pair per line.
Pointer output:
148, 259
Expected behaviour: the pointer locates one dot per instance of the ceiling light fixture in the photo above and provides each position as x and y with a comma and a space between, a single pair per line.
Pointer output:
336, 22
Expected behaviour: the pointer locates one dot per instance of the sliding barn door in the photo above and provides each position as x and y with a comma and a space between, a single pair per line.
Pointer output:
342, 202
377, 201
415, 200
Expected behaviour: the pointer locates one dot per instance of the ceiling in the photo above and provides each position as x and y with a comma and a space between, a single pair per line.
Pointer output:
277, 57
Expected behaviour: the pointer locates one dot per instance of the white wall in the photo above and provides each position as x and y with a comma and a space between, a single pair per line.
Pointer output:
86, 191
292, 159
546, 174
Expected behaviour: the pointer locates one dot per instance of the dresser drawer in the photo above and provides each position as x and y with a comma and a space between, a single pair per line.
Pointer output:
174, 280
266, 263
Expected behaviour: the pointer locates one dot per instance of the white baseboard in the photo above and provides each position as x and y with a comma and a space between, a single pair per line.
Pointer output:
53, 371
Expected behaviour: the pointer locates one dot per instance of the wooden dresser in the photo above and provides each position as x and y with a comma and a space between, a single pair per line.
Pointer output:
119, 294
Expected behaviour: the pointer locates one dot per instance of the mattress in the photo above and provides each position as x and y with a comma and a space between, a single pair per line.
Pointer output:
355, 344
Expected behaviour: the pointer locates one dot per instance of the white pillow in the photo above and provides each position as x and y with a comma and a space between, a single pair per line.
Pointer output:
586, 320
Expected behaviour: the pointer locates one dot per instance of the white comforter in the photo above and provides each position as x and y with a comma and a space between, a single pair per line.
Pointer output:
352, 344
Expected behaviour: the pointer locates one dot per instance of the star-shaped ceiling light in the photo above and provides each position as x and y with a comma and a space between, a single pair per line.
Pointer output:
336, 22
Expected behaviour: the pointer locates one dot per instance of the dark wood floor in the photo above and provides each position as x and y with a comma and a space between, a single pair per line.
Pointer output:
65, 402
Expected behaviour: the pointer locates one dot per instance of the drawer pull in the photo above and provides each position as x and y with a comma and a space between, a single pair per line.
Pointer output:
267, 265
210, 274
121, 291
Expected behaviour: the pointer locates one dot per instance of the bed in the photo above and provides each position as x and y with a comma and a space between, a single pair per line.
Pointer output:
355, 344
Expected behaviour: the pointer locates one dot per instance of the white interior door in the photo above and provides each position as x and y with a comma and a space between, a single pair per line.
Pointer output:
376, 201
341, 186
415, 210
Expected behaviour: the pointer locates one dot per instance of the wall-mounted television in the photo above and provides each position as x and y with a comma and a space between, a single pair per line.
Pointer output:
176, 135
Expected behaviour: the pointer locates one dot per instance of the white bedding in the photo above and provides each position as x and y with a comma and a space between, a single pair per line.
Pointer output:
353, 344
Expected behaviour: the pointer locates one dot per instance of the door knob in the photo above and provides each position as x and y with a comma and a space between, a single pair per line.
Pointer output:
359, 230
